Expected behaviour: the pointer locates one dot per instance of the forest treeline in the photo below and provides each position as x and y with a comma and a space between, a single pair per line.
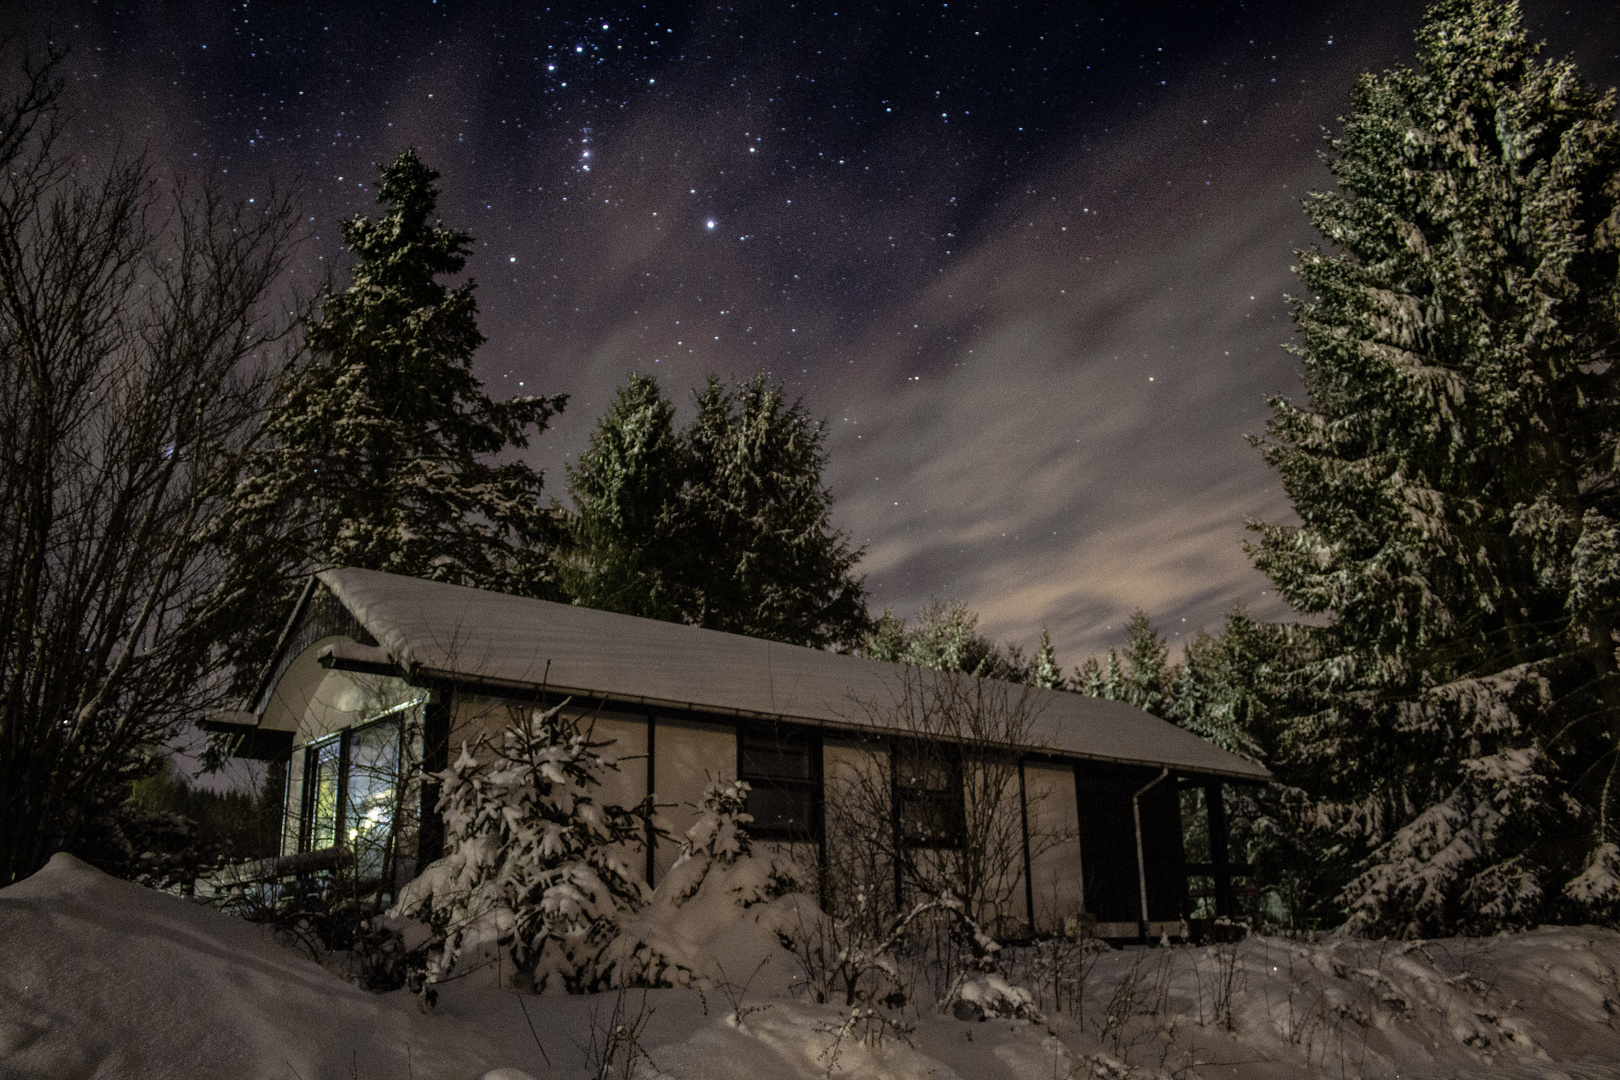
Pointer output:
184, 439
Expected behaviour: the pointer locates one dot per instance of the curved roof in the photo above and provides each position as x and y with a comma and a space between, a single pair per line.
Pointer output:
430, 629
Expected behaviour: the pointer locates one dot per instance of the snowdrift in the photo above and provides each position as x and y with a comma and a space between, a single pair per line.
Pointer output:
102, 978
106, 979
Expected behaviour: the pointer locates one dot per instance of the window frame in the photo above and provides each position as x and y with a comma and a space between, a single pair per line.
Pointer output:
779, 739
946, 804
310, 781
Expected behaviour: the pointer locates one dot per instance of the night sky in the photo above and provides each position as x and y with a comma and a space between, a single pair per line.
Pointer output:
1027, 261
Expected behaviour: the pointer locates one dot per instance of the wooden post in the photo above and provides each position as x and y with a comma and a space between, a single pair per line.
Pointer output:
894, 820
652, 832
1029, 882
435, 759
1220, 856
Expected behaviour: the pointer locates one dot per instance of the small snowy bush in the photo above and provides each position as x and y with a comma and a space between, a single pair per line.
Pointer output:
532, 879
984, 995
720, 911
1597, 888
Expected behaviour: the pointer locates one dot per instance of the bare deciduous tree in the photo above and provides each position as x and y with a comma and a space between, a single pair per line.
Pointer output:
935, 813
138, 344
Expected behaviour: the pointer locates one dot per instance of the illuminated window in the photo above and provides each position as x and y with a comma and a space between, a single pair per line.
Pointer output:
351, 790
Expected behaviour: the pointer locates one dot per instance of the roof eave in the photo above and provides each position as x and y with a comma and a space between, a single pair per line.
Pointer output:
444, 676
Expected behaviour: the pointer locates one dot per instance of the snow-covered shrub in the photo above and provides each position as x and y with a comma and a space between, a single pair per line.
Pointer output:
868, 963
532, 879
1445, 870
718, 913
985, 995
1597, 888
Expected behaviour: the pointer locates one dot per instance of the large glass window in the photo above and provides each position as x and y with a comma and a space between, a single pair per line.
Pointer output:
373, 792
784, 775
351, 789
323, 767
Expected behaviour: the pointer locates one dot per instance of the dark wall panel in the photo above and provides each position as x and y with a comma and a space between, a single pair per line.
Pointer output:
1108, 845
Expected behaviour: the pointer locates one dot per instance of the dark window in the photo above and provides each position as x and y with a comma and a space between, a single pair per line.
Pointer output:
928, 796
351, 788
784, 777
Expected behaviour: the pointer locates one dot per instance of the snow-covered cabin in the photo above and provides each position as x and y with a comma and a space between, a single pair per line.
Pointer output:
377, 677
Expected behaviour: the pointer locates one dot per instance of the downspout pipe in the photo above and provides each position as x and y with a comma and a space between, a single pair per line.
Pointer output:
1141, 860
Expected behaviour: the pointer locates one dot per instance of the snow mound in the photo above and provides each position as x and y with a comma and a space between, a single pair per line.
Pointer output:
986, 995
1543, 1003
103, 978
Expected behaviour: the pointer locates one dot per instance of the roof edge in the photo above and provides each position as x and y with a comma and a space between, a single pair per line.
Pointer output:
257, 701
457, 679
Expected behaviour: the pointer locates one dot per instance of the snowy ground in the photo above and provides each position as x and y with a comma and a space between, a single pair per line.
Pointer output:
101, 978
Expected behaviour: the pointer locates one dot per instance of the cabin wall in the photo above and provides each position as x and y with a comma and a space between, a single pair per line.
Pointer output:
472, 715
1108, 842
1166, 858
626, 737
687, 755
1056, 885
999, 822
855, 778
1081, 829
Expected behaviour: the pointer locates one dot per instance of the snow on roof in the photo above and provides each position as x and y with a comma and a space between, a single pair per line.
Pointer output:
431, 629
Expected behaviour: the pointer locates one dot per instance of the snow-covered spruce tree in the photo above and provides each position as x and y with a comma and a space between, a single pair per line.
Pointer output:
1047, 671
533, 876
1142, 676
724, 525
1218, 690
626, 552
1454, 473
945, 637
769, 562
383, 445
715, 915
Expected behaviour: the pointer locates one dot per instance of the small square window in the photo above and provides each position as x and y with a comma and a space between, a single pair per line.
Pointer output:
928, 796
784, 778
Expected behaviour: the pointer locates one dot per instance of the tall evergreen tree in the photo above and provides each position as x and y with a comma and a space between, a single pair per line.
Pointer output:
626, 552
725, 524
1047, 671
383, 446
945, 637
769, 562
1219, 690
1454, 475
